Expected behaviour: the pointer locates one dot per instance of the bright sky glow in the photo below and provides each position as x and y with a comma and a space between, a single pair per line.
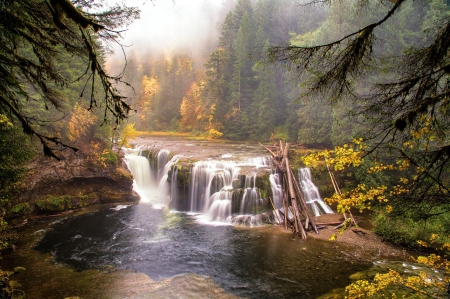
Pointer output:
166, 25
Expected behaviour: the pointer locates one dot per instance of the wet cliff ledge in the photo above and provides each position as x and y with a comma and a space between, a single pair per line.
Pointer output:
52, 186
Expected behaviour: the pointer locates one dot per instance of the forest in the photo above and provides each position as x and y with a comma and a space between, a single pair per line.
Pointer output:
362, 85
230, 92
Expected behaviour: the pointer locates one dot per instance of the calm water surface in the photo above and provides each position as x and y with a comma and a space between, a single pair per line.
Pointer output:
262, 262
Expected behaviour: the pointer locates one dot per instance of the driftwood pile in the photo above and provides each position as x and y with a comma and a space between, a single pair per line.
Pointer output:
293, 200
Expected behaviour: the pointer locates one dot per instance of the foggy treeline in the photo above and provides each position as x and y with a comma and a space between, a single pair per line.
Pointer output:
227, 90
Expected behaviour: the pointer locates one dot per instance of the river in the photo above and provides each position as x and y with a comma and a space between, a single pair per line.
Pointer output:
110, 253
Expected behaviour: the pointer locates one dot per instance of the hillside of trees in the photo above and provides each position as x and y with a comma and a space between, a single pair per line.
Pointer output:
232, 93
229, 93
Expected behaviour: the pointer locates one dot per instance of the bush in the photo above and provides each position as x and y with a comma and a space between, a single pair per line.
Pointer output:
20, 209
213, 134
407, 229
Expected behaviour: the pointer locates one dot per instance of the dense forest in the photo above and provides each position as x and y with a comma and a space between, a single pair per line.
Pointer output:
228, 92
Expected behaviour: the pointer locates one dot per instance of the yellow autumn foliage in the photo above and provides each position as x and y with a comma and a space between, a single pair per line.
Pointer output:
424, 284
80, 123
128, 133
392, 284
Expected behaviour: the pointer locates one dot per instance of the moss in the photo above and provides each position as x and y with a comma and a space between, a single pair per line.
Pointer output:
263, 184
123, 174
110, 156
19, 269
52, 204
20, 209
183, 176
10, 288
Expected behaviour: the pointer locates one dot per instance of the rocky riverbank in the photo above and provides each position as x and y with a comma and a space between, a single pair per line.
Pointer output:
51, 186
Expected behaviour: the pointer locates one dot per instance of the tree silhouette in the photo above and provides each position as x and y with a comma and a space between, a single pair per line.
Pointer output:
35, 36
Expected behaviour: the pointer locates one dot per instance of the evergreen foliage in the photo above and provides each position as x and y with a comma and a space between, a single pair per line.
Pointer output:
36, 36
390, 69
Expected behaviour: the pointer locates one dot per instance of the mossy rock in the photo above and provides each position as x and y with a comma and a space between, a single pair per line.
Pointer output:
122, 174
111, 157
236, 184
52, 204
20, 209
107, 196
19, 270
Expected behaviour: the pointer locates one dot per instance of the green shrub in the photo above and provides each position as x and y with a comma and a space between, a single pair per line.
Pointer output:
20, 209
110, 157
407, 229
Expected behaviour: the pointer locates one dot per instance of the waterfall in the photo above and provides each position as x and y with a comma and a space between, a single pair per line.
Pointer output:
174, 187
217, 191
277, 193
151, 184
143, 183
251, 200
162, 160
210, 189
163, 186
221, 194
311, 193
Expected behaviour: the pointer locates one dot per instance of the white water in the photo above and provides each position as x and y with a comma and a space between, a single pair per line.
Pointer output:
311, 193
218, 193
151, 188
277, 192
212, 185
210, 189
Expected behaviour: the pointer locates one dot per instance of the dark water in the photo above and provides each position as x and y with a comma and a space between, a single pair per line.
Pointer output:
249, 262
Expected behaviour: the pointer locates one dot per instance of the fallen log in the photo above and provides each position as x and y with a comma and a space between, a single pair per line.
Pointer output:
275, 211
328, 223
292, 194
288, 220
303, 205
269, 150
276, 159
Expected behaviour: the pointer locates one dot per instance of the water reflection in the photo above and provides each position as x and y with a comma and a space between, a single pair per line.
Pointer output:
253, 263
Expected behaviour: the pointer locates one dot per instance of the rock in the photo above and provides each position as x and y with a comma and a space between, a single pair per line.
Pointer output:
236, 184
52, 186
19, 269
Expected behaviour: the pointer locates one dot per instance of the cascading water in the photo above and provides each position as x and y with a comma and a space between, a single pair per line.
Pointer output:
143, 183
277, 193
311, 193
251, 200
151, 185
210, 189
162, 160
217, 190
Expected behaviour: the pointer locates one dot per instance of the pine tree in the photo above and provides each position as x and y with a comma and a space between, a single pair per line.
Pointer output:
52, 30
